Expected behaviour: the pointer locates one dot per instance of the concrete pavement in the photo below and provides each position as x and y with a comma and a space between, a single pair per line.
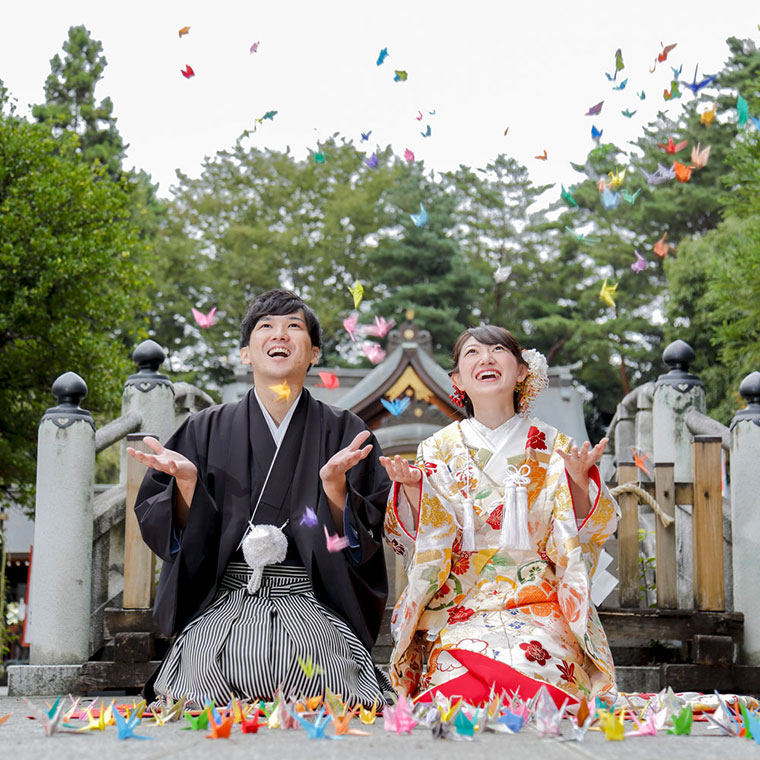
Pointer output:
21, 738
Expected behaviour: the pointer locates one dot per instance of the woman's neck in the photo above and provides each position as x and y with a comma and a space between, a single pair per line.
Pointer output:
493, 416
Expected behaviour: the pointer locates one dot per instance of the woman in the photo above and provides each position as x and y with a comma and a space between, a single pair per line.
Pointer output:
500, 526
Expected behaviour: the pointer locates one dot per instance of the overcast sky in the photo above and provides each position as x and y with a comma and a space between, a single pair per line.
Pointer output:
480, 65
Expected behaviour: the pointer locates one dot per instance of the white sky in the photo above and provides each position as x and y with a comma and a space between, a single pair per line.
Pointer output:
481, 65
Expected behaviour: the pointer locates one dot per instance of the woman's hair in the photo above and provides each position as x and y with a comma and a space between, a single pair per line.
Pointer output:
490, 335
277, 303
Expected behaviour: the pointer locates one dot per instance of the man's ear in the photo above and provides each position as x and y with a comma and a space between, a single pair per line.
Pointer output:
244, 357
314, 356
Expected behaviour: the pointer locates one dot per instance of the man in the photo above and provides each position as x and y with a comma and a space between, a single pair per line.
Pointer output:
281, 459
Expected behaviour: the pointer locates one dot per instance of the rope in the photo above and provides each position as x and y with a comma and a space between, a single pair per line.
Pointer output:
666, 520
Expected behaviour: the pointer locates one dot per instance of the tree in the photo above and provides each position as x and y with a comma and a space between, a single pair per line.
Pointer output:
257, 219
71, 105
68, 279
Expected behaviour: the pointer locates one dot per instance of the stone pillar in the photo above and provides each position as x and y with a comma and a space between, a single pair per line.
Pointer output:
150, 394
624, 433
745, 515
59, 603
675, 392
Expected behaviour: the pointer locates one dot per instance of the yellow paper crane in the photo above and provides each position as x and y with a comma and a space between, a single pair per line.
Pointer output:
616, 179
282, 391
357, 291
607, 293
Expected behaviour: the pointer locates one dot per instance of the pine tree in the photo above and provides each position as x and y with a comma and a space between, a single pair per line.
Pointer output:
71, 105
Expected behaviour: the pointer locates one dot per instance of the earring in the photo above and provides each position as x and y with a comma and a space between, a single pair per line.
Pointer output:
458, 396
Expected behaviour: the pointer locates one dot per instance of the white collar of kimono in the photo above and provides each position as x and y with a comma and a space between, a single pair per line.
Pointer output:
278, 431
507, 440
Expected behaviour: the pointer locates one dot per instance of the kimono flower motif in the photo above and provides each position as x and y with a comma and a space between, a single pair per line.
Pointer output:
461, 564
567, 671
457, 548
428, 467
494, 519
460, 614
536, 439
534, 652
397, 547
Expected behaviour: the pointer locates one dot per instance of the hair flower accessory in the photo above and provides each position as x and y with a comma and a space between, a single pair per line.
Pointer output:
534, 383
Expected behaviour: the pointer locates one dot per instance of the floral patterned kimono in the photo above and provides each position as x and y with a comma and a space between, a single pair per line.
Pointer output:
529, 609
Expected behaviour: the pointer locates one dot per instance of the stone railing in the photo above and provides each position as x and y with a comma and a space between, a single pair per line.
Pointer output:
79, 537
658, 423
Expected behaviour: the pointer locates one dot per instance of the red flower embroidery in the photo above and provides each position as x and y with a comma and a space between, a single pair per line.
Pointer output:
535, 652
457, 548
429, 467
460, 614
536, 439
567, 671
461, 564
494, 519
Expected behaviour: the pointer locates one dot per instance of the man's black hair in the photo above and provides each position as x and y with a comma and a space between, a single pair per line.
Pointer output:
275, 303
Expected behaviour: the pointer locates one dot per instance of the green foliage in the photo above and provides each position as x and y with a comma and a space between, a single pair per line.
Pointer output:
71, 105
68, 283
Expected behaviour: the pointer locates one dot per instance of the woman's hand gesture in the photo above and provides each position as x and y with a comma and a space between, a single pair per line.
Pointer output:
399, 471
579, 461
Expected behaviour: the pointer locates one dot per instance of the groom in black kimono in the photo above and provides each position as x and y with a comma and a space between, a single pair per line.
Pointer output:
223, 468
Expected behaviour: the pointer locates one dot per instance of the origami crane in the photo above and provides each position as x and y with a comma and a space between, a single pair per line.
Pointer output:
315, 729
368, 716
185, 30
567, 195
350, 323
671, 147
742, 111
205, 320
197, 723
682, 722
254, 48
282, 391
673, 93
397, 406
329, 380
220, 730
640, 459
695, 86
661, 248
683, 172
621, 86
610, 200
708, 117
628, 114
616, 178
596, 109
640, 264
543, 156
400, 75
374, 352
126, 727
427, 132
335, 543
629, 197
596, 134
49, 719
381, 327
357, 291
309, 668
546, 715
309, 517
365, 135
408, 155
399, 718
421, 219
607, 293
371, 162
612, 725
187, 72
382, 56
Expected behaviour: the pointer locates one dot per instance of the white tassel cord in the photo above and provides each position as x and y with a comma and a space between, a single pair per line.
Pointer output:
263, 545
468, 527
514, 532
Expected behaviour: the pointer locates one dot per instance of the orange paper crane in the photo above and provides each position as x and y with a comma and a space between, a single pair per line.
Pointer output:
661, 248
682, 171
639, 460
543, 156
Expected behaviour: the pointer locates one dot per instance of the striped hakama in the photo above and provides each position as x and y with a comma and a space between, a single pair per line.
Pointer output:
249, 645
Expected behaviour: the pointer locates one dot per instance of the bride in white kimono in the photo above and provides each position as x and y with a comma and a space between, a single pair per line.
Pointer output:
499, 525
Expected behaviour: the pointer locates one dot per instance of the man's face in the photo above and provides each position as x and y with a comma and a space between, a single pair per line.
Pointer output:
280, 349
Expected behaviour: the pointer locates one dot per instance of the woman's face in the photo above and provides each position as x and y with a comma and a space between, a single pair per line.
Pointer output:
488, 372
